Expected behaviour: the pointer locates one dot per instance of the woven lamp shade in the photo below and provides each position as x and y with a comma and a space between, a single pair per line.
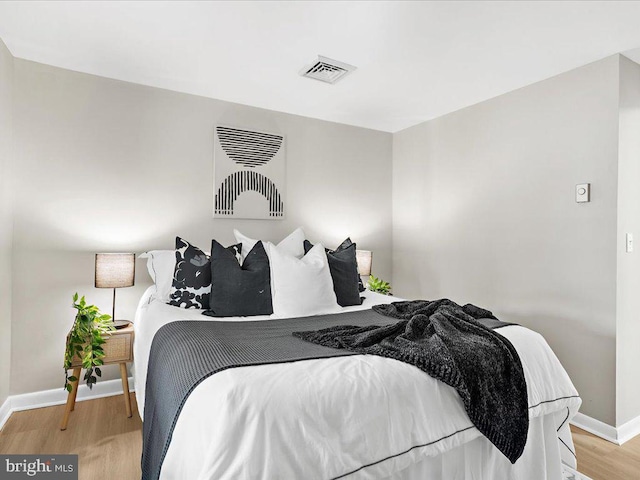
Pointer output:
115, 270
364, 259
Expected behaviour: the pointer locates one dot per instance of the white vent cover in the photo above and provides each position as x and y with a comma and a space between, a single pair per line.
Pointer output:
327, 70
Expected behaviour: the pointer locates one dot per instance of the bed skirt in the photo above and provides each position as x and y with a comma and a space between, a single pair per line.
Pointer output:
480, 460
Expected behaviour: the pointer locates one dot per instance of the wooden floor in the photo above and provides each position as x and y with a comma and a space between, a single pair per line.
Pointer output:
602, 460
107, 441
108, 444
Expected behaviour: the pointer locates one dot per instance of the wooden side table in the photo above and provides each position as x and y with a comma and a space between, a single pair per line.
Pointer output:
118, 348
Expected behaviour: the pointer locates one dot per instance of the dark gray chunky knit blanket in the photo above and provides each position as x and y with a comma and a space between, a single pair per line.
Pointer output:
448, 342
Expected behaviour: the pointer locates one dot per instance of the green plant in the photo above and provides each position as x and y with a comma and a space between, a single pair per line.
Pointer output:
378, 285
85, 340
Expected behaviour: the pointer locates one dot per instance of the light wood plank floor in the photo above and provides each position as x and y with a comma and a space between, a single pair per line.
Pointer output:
602, 460
109, 444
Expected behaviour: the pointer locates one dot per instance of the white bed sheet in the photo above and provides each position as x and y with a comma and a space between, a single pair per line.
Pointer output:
268, 421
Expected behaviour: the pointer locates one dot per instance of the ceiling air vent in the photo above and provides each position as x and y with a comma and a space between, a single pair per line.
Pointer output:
327, 70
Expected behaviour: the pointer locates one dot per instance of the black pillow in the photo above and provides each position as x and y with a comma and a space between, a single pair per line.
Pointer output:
344, 272
191, 278
239, 291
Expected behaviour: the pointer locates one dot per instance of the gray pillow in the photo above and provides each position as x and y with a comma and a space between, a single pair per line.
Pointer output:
344, 272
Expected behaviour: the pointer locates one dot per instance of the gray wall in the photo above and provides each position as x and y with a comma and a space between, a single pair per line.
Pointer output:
6, 219
104, 165
484, 212
628, 299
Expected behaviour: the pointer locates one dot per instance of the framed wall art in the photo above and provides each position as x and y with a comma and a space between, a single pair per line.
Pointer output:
249, 174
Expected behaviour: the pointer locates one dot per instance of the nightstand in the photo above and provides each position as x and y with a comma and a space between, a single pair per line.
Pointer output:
118, 349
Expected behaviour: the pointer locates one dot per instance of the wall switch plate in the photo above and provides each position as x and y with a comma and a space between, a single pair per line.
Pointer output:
583, 192
629, 242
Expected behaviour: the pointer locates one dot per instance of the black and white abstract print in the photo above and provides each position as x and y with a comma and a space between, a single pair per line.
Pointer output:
242, 181
191, 278
249, 174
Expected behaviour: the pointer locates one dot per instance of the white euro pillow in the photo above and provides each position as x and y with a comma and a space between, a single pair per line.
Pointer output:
301, 287
161, 265
293, 244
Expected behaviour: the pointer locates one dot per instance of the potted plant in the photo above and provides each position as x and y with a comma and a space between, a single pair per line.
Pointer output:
378, 285
85, 341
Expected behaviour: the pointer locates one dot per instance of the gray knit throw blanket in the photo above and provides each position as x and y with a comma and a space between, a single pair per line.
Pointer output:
448, 342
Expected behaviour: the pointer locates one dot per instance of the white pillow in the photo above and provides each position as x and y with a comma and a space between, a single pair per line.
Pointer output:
161, 265
301, 287
293, 244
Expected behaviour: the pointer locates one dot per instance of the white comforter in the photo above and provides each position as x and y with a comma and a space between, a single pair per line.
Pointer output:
358, 417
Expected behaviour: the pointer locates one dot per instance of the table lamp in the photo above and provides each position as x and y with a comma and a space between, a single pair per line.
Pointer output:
115, 270
364, 259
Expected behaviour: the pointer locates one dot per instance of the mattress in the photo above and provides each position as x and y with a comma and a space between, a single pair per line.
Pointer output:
352, 417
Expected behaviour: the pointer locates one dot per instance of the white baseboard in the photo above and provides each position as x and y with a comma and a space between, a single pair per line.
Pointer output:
58, 396
5, 412
596, 427
617, 435
628, 430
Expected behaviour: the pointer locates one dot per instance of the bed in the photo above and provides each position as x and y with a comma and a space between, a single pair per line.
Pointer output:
356, 417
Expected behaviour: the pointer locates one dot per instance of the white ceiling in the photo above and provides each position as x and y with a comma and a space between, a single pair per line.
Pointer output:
416, 60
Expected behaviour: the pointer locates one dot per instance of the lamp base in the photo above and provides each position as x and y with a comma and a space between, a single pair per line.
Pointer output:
119, 324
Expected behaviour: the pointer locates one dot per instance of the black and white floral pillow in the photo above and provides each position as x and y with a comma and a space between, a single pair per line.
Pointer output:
191, 286
191, 278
